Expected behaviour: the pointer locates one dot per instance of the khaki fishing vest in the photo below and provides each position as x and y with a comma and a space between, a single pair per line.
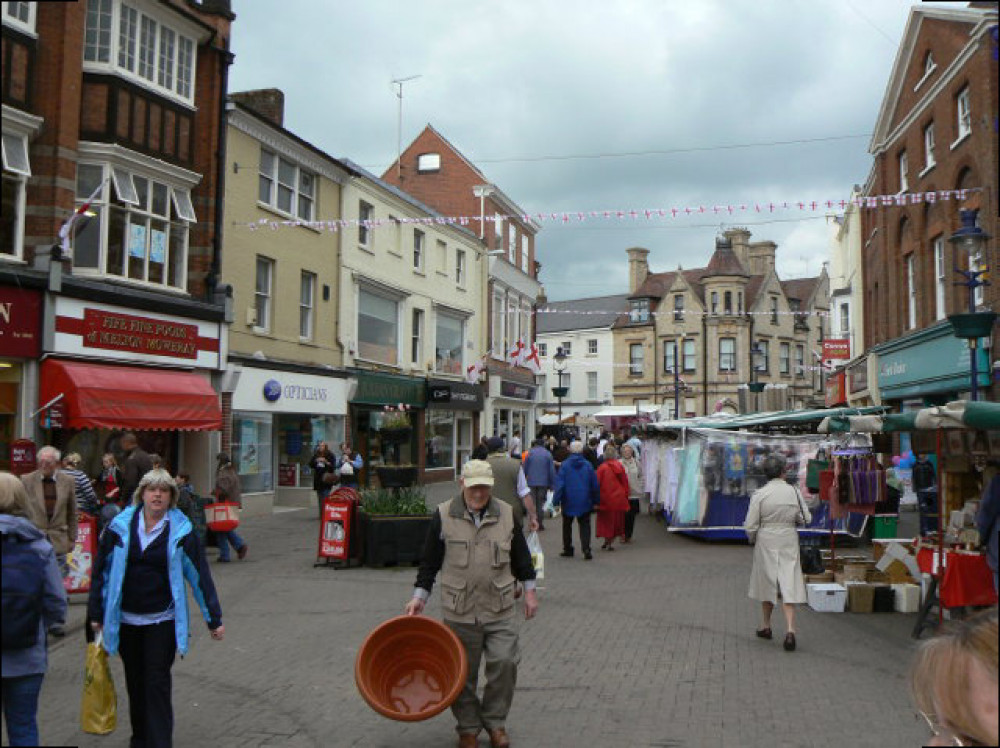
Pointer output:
476, 581
505, 470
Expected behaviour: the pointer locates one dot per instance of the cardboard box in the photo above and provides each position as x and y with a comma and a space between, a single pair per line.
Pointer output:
907, 598
839, 578
827, 598
860, 597
825, 578
884, 599
855, 571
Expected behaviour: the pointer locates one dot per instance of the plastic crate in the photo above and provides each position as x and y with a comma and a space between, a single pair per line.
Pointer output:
827, 598
884, 527
907, 598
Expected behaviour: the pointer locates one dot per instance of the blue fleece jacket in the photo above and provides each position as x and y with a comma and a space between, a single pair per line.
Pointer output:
540, 468
185, 560
577, 489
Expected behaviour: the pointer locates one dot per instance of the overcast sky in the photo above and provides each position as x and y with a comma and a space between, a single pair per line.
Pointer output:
519, 86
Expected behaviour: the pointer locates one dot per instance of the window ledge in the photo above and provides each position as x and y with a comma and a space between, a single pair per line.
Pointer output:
289, 217
262, 331
133, 282
397, 367
366, 249
12, 259
396, 253
463, 289
418, 271
927, 170
959, 140
442, 274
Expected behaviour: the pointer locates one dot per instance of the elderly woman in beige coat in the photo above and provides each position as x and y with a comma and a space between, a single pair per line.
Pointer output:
776, 508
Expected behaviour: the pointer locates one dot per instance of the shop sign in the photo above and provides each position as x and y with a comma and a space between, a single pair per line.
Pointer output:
274, 390
53, 416
836, 349
125, 332
22, 456
857, 376
287, 474
934, 364
289, 392
516, 390
836, 393
388, 389
444, 395
20, 322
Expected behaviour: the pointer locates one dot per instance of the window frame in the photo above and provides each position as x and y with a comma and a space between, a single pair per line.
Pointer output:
592, 386
439, 315
183, 58
419, 250
669, 349
678, 307
785, 358
393, 298
267, 296
727, 355
441, 247
963, 113
774, 310
800, 360
28, 26
366, 212
499, 327
276, 183
904, 167
543, 349
307, 308
689, 356
424, 161
764, 346
911, 291
639, 311
592, 346
567, 348
940, 278
845, 318
929, 160
636, 364
460, 268
512, 249
417, 337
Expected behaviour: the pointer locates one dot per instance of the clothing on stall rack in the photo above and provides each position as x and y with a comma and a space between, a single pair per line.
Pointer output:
855, 483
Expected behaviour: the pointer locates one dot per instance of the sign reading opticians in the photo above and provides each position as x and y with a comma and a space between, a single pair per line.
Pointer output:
289, 392
126, 332
274, 390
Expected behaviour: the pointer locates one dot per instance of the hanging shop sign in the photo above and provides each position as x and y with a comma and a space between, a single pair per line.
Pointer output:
517, 390
836, 389
449, 395
20, 322
857, 376
836, 349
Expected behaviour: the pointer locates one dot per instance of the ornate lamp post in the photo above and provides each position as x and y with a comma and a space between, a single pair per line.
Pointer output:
559, 362
971, 240
756, 364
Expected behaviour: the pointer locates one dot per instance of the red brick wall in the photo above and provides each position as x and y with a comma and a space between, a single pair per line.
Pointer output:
902, 230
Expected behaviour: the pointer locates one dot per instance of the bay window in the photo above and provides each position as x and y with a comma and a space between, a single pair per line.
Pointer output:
16, 170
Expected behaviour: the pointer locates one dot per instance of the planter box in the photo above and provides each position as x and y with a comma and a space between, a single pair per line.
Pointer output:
396, 477
395, 436
392, 540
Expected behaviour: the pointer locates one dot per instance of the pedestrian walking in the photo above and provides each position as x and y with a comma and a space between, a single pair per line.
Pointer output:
636, 443
515, 445
137, 464
986, 521
613, 482
509, 484
34, 601
590, 452
560, 452
86, 498
323, 465
776, 509
138, 599
348, 465
109, 484
636, 488
52, 504
540, 474
478, 546
578, 493
227, 488
193, 506
954, 682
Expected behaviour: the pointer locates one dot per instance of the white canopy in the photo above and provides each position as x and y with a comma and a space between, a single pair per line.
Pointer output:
618, 411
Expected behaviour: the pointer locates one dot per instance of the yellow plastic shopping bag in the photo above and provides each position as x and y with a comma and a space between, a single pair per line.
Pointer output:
99, 706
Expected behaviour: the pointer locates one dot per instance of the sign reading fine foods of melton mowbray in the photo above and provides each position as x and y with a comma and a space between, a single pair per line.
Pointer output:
126, 332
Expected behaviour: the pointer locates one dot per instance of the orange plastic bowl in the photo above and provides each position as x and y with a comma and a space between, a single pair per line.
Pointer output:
411, 668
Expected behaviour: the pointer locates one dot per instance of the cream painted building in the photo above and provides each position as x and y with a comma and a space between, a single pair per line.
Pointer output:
285, 385
689, 335
412, 320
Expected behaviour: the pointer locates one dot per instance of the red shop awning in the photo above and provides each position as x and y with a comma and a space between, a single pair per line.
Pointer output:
104, 396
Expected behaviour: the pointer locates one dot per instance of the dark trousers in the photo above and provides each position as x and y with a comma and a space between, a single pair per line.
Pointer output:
583, 526
633, 509
147, 656
538, 493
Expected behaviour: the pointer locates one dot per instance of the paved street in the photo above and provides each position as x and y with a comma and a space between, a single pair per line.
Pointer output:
651, 645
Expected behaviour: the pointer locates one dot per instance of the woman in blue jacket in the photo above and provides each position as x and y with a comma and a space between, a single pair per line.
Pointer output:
579, 493
138, 598
33, 601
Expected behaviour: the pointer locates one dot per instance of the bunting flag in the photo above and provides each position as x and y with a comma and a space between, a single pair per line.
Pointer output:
632, 214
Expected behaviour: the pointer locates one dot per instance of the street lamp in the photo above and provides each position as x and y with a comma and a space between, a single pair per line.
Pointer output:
559, 362
756, 364
971, 239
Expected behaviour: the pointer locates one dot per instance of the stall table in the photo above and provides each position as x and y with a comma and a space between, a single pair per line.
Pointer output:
966, 581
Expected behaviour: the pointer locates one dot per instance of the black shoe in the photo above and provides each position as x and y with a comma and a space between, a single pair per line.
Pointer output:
567, 554
57, 631
588, 556
764, 633
790, 642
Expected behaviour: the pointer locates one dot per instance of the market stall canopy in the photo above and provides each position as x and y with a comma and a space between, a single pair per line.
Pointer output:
548, 419
623, 411
98, 396
588, 422
774, 418
960, 414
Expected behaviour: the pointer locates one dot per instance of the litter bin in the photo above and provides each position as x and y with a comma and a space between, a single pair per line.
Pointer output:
927, 502
337, 541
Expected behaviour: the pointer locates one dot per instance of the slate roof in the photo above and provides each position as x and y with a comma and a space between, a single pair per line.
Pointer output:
601, 312
799, 288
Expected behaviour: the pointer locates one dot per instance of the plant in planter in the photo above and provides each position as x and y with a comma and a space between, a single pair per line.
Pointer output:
394, 424
396, 476
394, 524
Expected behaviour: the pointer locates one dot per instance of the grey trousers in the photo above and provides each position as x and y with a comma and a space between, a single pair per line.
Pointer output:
499, 643
540, 493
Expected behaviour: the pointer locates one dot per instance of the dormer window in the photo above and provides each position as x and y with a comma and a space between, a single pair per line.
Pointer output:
427, 162
639, 310
678, 308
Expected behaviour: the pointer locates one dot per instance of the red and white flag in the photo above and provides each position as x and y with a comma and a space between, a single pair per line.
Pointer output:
472, 372
516, 355
66, 230
532, 361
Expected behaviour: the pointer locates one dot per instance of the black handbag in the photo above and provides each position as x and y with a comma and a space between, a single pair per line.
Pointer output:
810, 558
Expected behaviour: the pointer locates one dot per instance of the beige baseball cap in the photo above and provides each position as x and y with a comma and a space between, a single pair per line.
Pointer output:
477, 473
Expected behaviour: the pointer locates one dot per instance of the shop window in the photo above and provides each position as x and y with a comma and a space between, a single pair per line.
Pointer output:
448, 337
378, 322
251, 449
463, 439
440, 439
137, 229
140, 46
299, 434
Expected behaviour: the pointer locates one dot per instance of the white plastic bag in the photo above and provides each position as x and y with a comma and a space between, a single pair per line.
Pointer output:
548, 508
537, 555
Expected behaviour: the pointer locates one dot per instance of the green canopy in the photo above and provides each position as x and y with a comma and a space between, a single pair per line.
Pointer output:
774, 418
960, 414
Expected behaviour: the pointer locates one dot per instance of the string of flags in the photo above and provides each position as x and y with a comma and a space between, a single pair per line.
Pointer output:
632, 214
687, 312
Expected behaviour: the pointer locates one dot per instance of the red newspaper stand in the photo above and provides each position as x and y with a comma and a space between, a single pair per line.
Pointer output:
83, 556
339, 544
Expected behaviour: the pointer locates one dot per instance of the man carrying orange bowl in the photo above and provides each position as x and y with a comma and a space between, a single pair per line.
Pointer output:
479, 548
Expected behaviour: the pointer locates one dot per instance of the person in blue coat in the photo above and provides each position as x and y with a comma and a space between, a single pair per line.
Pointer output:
578, 493
986, 521
540, 475
29, 565
137, 598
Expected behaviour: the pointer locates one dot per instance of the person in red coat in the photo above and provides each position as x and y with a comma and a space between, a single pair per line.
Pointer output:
614, 506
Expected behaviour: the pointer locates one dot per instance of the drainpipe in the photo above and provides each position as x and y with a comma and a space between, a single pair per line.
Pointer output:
704, 362
213, 279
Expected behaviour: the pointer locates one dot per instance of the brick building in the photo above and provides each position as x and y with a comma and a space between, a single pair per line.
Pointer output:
702, 324
123, 102
436, 173
936, 130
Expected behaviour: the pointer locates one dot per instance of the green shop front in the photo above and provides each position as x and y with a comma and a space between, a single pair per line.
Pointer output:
379, 400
